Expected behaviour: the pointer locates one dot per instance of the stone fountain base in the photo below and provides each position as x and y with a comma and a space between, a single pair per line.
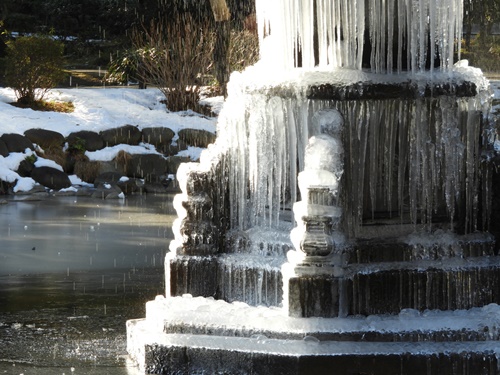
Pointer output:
412, 307
204, 336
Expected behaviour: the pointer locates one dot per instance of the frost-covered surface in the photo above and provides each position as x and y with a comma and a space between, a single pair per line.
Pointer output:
218, 314
443, 238
262, 78
95, 110
394, 151
109, 153
406, 25
98, 110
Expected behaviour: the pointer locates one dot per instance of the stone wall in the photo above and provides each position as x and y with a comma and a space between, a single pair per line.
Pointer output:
147, 172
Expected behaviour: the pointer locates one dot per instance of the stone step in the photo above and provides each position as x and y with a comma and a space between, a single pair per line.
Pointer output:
201, 335
386, 288
175, 354
414, 247
367, 289
201, 316
253, 279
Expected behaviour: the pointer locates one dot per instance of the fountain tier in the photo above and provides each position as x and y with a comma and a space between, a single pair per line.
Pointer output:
349, 178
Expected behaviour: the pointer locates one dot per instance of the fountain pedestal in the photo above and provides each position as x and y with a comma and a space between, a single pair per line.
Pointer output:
312, 290
393, 270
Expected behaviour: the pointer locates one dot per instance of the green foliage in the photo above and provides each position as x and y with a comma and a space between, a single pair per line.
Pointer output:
31, 158
78, 146
34, 65
124, 67
483, 52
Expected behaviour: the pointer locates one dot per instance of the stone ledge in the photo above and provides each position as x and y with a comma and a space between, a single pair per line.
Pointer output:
206, 316
160, 353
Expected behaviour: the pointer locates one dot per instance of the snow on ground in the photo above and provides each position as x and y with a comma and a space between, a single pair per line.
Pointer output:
96, 109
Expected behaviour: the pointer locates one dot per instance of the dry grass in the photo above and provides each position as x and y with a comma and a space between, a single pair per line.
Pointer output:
122, 160
87, 170
173, 55
56, 154
47, 106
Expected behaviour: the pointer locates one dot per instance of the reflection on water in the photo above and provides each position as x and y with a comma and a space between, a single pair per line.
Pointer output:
64, 233
72, 271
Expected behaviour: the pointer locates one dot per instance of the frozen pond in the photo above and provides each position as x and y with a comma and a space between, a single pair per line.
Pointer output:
72, 271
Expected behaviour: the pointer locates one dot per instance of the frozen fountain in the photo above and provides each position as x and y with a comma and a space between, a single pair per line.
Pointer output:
340, 221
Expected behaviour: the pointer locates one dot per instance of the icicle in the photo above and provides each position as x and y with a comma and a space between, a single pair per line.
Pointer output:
390, 35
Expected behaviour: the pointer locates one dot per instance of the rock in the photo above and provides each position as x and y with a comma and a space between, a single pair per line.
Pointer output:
160, 137
131, 185
107, 191
37, 193
25, 168
173, 163
4, 151
46, 139
127, 134
6, 187
126, 184
87, 170
175, 147
78, 191
147, 166
162, 187
85, 141
197, 137
17, 142
51, 178
108, 177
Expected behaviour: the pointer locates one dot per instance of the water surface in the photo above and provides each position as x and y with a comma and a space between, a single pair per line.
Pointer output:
72, 271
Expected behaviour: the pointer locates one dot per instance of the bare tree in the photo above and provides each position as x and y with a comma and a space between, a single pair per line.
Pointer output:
174, 54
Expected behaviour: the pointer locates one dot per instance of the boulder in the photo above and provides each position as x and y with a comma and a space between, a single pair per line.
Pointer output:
164, 186
127, 134
131, 185
6, 187
126, 184
197, 137
175, 147
107, 191
108, 177
160, 137
173, 163
51, 178
25, 168
88, 170
35, 194
147, 166
4, 151
85, 141
46, 139
17, 142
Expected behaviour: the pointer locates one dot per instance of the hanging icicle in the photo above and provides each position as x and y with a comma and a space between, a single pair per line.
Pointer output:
414, 34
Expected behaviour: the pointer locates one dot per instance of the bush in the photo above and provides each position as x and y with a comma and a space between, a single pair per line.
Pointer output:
243, 49
483, 52
173, 55
34, 65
